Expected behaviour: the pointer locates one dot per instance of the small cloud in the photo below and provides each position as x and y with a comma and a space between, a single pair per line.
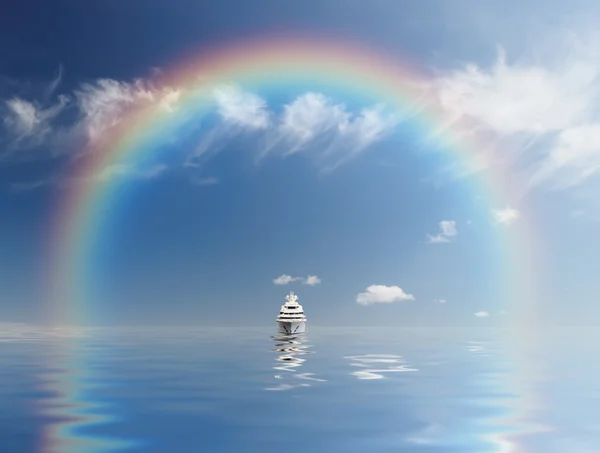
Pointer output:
312, 280
502, 312
440, 301
448, 230
505, 216
285, 279
482, 314
381, 294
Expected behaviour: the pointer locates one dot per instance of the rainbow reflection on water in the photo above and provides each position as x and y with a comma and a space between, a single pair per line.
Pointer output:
75, 416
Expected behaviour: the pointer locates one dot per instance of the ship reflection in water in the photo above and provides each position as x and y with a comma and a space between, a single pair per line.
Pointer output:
291, 349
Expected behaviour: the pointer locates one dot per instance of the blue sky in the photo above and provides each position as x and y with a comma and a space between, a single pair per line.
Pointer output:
357, 218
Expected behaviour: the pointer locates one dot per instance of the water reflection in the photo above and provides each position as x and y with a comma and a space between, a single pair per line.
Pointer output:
74, 417
377, 364
291, 349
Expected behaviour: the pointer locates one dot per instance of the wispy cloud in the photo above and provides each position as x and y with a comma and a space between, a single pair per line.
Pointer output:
310, 123
103, 103
440, 301
53, 85
505, 216
482, 314
28, 123
314, 120
381, 294
447, 231
543, 111
111, 172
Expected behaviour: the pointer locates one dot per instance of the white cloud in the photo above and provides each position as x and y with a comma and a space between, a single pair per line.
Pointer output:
241, 108
103, 103
309, 115
29, 123
24, 115
284, 279
314, 120
312, 280
512, 98
381, 294
505, 216
574, 158
440, 301
448, 230
482, 314
548, 111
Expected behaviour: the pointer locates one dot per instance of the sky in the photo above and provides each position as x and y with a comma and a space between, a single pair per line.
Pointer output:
325, 190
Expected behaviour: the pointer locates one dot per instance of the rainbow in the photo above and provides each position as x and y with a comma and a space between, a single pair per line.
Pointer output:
272, 61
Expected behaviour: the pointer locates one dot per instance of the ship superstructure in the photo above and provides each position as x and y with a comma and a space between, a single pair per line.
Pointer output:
291, 317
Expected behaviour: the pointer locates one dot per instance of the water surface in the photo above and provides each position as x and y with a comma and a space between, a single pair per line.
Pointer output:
251, 390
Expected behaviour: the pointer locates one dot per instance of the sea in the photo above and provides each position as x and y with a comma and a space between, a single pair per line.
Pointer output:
329, 390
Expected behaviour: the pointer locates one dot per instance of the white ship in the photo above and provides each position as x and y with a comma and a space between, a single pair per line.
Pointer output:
291, 317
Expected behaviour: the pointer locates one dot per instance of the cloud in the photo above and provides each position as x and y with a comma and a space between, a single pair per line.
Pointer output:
312, 280
241, 108
574, 159
66, 124
28, 123
310, 115
545, 112
314, 121
106, 174
482, 314
71, 123
505, 216
513, 98
103, 103
448, 230
440, 301
55, 83
381, 294
311, 122
284, 279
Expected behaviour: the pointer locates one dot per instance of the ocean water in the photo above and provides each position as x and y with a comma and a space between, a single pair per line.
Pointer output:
181, 390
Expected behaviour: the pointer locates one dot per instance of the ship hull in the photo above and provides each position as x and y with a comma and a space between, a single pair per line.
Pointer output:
292, 327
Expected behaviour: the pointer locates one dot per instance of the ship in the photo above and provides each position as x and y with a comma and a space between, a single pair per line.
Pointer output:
291, 317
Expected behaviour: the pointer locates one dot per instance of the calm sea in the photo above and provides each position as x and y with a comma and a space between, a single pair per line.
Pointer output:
173, 390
